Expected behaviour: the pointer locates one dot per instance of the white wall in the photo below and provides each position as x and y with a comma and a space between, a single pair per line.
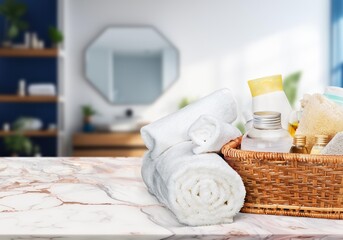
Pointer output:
222, 43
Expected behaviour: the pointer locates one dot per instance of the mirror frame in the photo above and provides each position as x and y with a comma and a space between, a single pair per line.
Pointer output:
93, 39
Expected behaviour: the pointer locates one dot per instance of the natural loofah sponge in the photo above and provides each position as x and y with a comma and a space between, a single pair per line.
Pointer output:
335, 146
320, 117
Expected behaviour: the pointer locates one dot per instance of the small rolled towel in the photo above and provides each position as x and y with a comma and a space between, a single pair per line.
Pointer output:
335, 146
198, 189
172, 129
210, 134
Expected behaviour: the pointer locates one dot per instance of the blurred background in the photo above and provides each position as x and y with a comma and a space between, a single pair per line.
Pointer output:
80, 77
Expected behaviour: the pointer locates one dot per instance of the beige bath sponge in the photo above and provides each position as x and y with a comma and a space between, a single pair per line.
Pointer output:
320, 117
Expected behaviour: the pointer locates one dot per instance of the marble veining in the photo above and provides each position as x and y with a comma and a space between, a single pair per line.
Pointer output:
105, 198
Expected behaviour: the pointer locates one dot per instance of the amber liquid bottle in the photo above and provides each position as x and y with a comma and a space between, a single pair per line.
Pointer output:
299, 144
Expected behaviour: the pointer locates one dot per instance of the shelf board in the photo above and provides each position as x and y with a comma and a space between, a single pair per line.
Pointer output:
38, 133
27, 99
47, 52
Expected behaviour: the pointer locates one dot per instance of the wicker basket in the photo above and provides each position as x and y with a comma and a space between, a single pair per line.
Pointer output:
299, 185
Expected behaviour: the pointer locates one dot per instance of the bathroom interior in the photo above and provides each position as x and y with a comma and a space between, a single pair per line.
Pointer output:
171, 119
83, 76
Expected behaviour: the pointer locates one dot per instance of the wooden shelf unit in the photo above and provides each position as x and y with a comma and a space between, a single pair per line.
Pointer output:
115, 144
37, 133
27, 99
47, 52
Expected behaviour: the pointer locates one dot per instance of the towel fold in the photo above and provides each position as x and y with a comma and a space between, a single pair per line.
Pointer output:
198, 189
210, 134
173, 129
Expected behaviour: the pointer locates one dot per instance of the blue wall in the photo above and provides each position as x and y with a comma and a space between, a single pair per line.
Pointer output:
40, 15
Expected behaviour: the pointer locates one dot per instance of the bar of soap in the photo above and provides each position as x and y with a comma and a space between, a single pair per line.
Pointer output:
335, 146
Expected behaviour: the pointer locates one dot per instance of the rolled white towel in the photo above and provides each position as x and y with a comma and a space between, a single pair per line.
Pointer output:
172, 129
198, 189
209, 134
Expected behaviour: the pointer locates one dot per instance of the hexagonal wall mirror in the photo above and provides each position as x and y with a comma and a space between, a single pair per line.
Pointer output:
131, 65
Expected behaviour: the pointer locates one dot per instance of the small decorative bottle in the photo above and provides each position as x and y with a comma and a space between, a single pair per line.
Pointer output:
299, 143
6, 127
22, 87
267, 134
321, 142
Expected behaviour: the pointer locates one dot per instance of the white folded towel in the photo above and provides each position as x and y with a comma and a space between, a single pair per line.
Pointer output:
210, 134
198, 189
42, 89
172, 129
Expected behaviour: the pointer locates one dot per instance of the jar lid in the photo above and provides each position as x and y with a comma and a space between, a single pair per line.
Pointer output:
267, 120
265, 85
299, 140
322, 139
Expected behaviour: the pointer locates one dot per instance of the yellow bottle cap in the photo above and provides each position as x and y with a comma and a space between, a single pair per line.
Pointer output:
265, 85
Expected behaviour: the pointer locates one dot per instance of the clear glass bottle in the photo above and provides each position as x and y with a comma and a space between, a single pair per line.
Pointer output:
248, 117
321, 142
299, 145
267, 134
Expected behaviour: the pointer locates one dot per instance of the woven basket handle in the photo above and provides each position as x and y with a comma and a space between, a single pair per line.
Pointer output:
236, 143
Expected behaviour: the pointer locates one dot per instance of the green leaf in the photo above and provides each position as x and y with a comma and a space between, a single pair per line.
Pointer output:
18, 144
22, 25
184, 102
88, 110
13, 31
56, 36
19, 10
241, 127
290, 86
13, 11
26, 146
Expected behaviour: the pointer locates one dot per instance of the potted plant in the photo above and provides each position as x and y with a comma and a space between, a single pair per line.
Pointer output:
18, 144
88, 112
13, 12
56, 36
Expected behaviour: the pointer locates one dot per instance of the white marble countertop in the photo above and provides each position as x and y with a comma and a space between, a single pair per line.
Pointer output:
105, 198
